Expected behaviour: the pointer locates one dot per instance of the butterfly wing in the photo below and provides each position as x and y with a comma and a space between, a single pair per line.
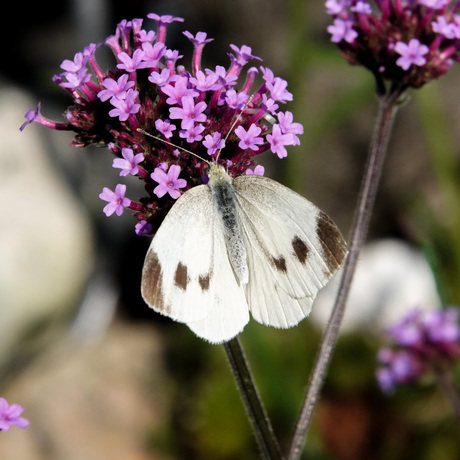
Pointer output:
293, 249
187, 274
226, 320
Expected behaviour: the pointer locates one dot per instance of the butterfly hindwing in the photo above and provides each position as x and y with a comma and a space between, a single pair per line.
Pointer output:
293, 249
227, 319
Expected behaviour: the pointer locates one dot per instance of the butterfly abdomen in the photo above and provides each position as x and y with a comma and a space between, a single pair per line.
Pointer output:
220, 184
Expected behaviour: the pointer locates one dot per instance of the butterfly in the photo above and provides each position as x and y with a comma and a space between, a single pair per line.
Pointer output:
236, 247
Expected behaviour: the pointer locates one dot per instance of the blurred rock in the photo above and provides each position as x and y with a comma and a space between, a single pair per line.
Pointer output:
45, 235
392, 277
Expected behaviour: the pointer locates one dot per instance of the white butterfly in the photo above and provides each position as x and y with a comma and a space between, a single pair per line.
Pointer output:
235, 246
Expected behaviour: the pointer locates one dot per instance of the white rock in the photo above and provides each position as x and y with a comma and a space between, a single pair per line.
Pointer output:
45, 236
391, 278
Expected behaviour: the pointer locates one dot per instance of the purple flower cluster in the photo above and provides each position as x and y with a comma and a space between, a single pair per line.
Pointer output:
218, 114
9, 415
424, 341
407, 42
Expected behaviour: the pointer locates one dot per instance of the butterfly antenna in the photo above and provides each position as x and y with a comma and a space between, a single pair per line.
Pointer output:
142, 131
237, 119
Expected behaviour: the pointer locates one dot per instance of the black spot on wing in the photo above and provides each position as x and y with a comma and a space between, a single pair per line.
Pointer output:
204, 281
181, 278
332, 242
151, 284
301, 249
279, 263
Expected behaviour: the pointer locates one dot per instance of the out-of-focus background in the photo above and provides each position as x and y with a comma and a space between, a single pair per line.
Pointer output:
103, 377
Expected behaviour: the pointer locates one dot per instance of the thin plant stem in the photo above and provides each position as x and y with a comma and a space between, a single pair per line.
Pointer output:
387, 110
447, 385
258, 417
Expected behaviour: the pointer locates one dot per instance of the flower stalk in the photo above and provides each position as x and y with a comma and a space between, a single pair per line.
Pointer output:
378, 148
258, 417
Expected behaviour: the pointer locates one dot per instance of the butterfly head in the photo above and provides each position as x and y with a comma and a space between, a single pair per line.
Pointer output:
217, 174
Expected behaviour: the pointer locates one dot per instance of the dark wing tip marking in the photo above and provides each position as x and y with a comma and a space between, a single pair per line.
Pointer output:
204, 281
181, 278
301, 249
152, 281
333, 245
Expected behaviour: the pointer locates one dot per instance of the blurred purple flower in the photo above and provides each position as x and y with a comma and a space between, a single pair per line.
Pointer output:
406, 42
423, 342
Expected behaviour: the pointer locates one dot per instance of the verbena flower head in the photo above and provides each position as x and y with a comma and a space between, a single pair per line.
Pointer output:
406, 42
219, 114
423, 342
9, 415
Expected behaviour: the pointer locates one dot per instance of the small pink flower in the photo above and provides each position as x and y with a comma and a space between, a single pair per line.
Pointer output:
214, 143
117, 200
9, 415
259, 170
342, 30
168, 182
411, 53
278, 140
129, 163
249, 139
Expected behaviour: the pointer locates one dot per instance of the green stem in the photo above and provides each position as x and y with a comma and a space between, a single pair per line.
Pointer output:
369, 186
258, 417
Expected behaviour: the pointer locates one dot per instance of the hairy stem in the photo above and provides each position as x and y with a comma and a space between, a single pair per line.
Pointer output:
260, 422
388, 107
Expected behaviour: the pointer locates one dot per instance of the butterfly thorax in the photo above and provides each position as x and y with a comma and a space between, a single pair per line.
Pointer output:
224, 197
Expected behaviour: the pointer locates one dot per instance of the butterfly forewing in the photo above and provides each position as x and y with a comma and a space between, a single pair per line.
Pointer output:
186, 267
289, 261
